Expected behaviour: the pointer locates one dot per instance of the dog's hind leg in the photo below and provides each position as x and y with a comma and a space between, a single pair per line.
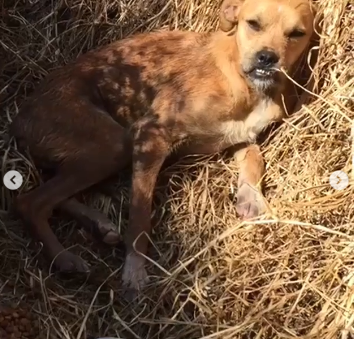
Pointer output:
36, 207
93, 221
82, 168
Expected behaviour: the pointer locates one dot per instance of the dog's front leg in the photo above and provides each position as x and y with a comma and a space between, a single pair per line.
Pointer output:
150, 150
250, 200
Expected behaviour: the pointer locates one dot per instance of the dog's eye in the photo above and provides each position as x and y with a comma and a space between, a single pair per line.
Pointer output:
254, 25
296, 33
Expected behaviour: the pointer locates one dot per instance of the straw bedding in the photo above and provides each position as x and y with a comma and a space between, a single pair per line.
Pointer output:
288, 275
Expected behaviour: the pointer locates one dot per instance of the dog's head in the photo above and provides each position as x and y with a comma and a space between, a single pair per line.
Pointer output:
270, 34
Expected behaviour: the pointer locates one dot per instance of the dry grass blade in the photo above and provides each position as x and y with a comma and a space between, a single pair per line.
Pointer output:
287, 276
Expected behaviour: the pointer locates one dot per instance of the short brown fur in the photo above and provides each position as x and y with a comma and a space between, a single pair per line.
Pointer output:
139, 100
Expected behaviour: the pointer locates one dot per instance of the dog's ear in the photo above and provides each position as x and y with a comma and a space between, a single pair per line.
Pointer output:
229, 14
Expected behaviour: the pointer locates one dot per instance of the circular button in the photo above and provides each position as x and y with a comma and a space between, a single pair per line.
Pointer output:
13, 180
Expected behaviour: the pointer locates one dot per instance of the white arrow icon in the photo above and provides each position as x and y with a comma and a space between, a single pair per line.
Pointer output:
13, 180
339, 180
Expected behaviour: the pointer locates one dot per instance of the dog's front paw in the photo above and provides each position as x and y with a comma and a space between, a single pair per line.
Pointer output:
250, 202
134, 277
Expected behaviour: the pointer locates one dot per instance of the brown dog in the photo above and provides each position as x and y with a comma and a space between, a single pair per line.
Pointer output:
143, 98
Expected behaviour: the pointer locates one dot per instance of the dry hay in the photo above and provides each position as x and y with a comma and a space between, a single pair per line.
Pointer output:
287, 276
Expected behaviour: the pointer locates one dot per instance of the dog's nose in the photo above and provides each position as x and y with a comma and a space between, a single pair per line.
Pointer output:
266, 58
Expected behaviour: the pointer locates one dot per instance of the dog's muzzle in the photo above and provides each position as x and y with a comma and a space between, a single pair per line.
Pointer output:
264, 68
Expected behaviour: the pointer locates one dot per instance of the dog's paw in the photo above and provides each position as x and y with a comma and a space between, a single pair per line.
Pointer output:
100, 227
250, 202
108, 232
134, 277
66, 262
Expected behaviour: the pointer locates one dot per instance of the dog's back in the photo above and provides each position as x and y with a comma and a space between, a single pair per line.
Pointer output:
74, 104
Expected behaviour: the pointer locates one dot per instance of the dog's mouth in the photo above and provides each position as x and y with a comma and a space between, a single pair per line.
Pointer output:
263, 74
264, 78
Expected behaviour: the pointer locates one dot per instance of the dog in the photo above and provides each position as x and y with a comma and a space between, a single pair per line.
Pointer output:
140, 100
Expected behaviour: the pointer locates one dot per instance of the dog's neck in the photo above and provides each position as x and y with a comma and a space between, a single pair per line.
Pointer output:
224, 50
